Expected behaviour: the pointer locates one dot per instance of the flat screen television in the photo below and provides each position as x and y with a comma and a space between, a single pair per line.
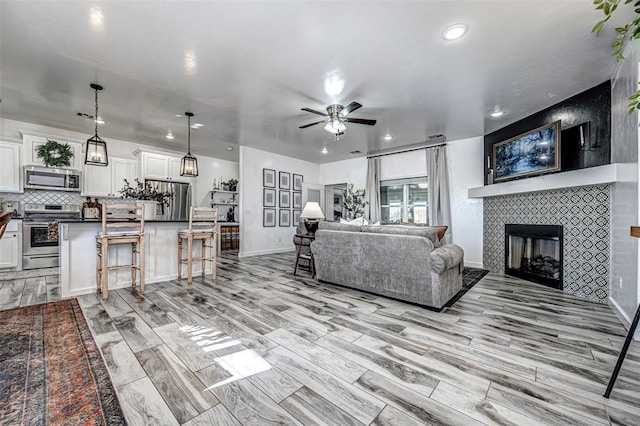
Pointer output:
529, 154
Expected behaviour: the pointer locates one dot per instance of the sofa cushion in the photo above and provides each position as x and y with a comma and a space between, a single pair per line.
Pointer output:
418, 231
360, 221
335, 226
445, 257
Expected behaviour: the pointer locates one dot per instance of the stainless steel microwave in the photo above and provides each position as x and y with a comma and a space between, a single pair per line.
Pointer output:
51, 179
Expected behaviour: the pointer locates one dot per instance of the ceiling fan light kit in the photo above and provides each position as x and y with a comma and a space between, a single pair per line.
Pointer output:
96, 149
337, 116
189, 163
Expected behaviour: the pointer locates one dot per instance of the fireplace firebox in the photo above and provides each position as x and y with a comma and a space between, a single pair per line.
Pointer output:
534, 253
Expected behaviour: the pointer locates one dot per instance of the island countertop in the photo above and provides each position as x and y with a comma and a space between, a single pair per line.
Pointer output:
78, 255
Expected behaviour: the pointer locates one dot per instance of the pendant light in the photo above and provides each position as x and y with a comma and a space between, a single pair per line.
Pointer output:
189, 163
96, 151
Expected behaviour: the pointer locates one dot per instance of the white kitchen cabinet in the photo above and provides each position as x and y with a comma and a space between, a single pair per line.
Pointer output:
161, 167
33, 140
11, 245
10, 167
108, 181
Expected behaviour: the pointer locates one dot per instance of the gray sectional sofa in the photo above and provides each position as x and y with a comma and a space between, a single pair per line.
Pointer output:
402, 262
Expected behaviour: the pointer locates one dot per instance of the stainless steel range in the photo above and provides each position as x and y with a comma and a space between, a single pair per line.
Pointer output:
40, 246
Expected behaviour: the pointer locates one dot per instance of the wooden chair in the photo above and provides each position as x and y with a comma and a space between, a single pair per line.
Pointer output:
121, 224
202, 226
5, 218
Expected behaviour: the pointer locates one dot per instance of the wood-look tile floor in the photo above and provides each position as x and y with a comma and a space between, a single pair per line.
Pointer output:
259, 346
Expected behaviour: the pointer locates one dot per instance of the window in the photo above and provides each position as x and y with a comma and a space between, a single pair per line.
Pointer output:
404, 200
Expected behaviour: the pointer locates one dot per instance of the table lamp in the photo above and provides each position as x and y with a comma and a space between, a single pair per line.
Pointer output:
311, 213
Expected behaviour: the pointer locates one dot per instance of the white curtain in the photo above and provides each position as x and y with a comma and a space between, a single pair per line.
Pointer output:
373, 189
438, 193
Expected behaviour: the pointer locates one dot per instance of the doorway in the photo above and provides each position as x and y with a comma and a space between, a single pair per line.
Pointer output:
334, 200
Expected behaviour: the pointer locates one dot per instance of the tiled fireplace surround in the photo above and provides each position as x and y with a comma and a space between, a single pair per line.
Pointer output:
585, 214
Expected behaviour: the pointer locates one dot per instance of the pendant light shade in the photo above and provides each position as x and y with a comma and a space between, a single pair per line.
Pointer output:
189, 163
96, 149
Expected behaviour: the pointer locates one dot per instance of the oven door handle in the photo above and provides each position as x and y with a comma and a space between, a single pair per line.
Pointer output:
45, 256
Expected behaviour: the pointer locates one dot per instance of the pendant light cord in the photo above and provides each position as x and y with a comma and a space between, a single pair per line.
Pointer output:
189, 135
95, 118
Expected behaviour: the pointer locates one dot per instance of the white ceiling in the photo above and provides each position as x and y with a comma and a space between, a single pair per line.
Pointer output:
246, 68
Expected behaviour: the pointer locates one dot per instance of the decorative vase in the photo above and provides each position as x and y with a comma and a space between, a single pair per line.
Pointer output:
150, 209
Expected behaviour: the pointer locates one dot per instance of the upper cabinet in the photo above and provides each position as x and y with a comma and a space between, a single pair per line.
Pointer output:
108, 181
161, 167
10, 167
32, 140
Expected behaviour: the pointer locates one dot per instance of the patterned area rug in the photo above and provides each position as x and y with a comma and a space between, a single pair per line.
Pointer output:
51, 372
470, 277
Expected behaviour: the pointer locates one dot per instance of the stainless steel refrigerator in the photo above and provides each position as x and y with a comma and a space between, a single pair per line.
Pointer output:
180, 202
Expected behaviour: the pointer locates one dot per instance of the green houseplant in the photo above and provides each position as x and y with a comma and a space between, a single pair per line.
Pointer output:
143, 192
55, 154
354, 202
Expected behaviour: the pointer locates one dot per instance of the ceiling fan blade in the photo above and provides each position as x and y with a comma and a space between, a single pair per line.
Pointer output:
350, 108
361, 121
311, 124
313, 111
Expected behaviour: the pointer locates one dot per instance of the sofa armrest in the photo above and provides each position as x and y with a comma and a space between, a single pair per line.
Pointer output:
445, 257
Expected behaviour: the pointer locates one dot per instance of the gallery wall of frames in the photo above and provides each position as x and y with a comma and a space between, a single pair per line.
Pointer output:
281, 198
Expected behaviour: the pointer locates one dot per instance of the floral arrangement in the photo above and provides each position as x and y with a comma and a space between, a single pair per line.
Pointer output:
55, 154
141, 191
354, 202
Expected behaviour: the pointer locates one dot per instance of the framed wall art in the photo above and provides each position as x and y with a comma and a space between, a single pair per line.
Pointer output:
269, 218
532, 153
269, 197
297, 182
285, 217
297, 200
285, 180
296, 217
285, 201
268, 178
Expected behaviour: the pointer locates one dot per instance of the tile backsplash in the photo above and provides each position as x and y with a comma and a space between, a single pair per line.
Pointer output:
48, 197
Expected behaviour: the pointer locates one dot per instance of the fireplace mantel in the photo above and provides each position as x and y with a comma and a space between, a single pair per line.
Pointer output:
600, 175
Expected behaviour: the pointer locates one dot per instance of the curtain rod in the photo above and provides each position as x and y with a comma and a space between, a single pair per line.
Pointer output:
401, 151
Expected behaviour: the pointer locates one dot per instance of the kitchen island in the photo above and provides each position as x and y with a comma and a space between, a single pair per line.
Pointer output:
78, 256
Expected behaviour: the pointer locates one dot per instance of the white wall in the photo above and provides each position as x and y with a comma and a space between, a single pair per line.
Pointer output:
625, 257
208, 169
465, 170
254, 238
346, 171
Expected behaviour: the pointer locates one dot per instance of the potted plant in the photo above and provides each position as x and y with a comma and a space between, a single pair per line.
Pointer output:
354, 202
145, 194
233, 184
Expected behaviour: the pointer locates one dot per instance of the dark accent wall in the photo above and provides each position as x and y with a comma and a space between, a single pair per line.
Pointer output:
593, 106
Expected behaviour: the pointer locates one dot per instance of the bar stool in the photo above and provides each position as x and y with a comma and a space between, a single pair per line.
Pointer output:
121, 224
202, 226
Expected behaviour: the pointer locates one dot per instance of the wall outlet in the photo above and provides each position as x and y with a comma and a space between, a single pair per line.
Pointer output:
619, 282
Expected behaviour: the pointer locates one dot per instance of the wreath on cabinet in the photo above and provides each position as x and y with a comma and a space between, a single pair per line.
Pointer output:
55, 154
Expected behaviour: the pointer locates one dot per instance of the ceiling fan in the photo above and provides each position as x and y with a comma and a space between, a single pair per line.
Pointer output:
337, 116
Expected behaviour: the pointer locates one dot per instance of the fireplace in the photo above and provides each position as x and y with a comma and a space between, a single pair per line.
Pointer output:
534, 253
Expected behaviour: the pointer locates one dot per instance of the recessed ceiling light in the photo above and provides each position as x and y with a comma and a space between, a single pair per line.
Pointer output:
178, 115
324, 150
497, 113
170, 136
190, 62
454, 32
196, 125
229, 148
388, 137
96, 19
333, 85
100, 120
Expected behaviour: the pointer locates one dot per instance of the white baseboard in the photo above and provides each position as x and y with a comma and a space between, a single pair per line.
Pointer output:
260, 252
473, 264
622, 316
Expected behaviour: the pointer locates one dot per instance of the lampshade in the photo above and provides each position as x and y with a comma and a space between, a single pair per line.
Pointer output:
96, 149
335, 125
189, 163
312, 210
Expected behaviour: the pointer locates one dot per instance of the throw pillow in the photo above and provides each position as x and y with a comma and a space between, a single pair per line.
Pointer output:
441, 231
360, 221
